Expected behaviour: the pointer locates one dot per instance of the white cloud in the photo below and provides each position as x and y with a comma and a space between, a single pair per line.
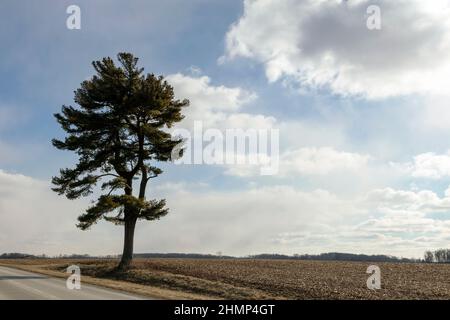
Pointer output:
406, 219
216, 106
405, 200
322, 161
431, 165
217, 98
391, 222
427, 165
241, 221
35, 220
327, 44
309, 161
281, 219
221, 107
290, 220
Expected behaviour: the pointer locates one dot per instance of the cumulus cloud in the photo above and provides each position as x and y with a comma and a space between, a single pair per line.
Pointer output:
405, 200
427, 165
391, 221
327, 44
309, 161
216, 106
409, 216
217, 98
322, 161
221, 107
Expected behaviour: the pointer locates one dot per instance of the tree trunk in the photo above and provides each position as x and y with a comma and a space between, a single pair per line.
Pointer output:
127, 255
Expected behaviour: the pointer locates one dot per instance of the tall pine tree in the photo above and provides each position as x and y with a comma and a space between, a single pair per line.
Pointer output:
118, 132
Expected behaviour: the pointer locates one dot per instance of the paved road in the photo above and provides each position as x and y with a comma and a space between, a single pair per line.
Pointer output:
22, 285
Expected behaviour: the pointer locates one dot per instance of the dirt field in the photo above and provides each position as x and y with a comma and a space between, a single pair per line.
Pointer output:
258, 279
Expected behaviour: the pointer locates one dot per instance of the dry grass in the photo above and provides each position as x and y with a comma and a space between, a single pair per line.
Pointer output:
259, 279
56, 268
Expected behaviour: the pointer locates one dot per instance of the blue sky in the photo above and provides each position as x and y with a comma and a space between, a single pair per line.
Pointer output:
363, 119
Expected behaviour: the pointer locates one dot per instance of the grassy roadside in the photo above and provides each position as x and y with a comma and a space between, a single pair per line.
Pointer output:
57, 269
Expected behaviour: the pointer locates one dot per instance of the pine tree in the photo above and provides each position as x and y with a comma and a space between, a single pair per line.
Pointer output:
118, 131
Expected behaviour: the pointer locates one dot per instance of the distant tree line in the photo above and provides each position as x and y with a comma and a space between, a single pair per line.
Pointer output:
335, 256
15, 255
437, 256
181, 256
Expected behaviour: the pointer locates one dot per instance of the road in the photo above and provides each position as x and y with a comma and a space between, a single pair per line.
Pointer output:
22, 285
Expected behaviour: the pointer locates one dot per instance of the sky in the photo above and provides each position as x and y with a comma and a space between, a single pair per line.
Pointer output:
363, 119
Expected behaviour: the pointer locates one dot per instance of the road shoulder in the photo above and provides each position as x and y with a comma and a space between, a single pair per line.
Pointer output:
133, 288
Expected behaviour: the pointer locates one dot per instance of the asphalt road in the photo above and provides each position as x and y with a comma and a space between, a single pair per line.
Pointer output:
22, 285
